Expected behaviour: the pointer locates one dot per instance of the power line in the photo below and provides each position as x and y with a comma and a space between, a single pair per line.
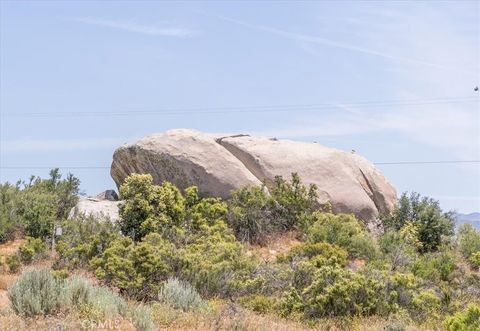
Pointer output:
255, 109
426, 162
376, 163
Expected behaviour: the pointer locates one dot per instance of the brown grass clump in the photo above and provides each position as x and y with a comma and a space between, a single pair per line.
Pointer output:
10, 247
276, 244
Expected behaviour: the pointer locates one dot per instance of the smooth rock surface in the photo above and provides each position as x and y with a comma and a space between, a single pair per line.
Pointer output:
219, 163
96, 208
348, 181
185, 158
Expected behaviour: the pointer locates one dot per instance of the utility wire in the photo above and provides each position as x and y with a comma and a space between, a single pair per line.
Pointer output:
254, 109
376, 163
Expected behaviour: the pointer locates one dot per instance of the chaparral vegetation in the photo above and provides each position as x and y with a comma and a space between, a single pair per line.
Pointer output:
266, 259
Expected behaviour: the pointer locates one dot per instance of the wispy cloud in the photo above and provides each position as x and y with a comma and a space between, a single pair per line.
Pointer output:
305, 38
450, 128
152, 30
58, 145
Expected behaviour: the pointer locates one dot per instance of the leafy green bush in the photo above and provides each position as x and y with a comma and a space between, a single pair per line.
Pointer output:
342, 230
150, 208
36, 292
292, 200
138, 270
93, 301
32, 248
439, 266
468, 320
474, 259
397, 250
334, 292
203, 215
258, 303
13, 263
216, 263
322, 253
181, 295
425, 305
433, 225
469, 243
251, 214
142, 318
84, 238
400, 289
9, 218
35, 206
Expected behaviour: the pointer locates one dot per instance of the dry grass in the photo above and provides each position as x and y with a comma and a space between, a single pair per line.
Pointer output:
10, 247
6, 280
276, 244
228, 317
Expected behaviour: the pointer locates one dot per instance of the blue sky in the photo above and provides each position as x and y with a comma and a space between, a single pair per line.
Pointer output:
67, 59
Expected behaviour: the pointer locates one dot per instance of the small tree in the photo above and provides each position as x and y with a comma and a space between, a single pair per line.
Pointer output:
150, 208
433, 225
293, 199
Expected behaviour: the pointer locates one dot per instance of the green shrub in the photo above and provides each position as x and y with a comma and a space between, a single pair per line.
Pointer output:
84, 238
203, 216
468, 320
181, 295
36, 292
474, 259
251, 214
79, 292
35, 206
321, 253
150, 208
400, 289
32, 248
397, 250
216, 264
335, 292
9, 218
138, 270
13, 263
293, 200
142, 318
439, 266
425, 305
258, 303
342, 230
433, 225
254, 214
82, 295
110, 303
469, 244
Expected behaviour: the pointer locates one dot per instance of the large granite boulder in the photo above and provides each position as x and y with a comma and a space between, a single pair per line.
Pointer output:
219, 163
185, 158
104, 205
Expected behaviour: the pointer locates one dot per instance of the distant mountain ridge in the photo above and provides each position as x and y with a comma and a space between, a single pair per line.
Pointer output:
472, 218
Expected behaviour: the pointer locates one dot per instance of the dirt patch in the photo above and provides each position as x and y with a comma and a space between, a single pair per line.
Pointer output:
10, 247
277, 244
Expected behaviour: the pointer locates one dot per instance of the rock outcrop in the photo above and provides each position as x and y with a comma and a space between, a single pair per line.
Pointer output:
185, 158
219, 163
104, 205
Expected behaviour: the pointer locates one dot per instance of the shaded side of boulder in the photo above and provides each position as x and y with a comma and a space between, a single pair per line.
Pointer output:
185, 158
109, 195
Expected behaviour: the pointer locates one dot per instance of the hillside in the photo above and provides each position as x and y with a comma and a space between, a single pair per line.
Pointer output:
472, 218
